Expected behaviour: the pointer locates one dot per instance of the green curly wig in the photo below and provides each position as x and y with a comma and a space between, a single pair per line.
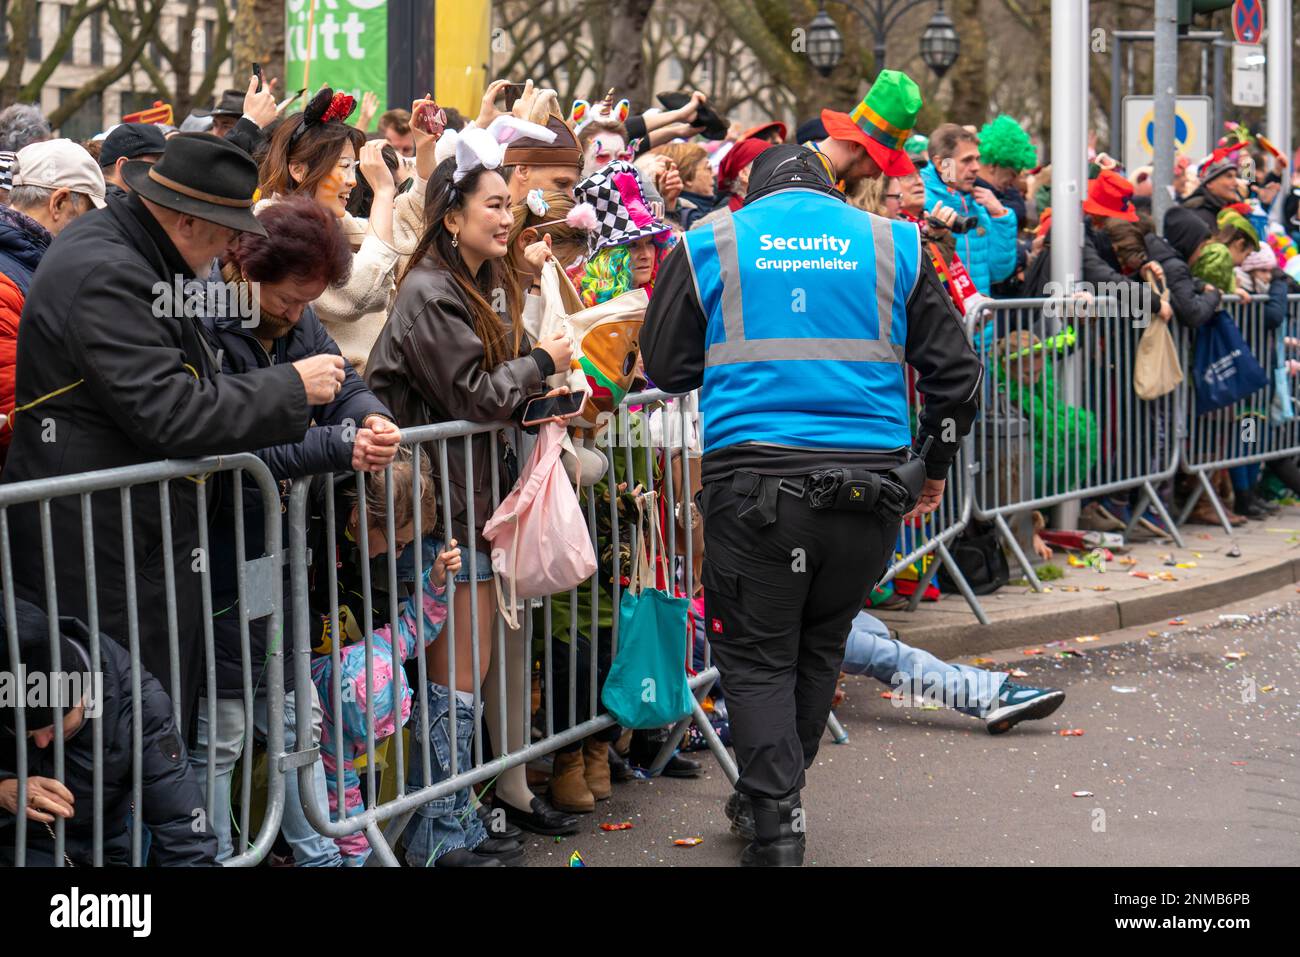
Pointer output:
1004, 143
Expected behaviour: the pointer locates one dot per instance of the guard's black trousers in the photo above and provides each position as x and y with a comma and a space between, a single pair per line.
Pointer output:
782, 583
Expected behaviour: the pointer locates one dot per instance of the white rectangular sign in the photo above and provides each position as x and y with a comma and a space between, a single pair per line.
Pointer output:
1247, 75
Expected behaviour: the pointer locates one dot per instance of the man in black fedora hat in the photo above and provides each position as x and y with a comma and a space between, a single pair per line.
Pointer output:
114, 370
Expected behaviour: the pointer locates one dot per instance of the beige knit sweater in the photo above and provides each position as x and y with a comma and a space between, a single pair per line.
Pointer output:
354, 313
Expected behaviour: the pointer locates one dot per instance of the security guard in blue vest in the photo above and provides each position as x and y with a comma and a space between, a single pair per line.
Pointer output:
797, 314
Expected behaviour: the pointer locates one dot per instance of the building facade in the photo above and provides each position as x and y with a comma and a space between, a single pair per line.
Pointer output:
96, 45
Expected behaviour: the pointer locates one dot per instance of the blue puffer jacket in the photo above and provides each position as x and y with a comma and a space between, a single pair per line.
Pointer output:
989, 250
23, 242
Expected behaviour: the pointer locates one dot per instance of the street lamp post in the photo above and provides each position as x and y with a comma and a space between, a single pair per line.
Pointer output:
940, 44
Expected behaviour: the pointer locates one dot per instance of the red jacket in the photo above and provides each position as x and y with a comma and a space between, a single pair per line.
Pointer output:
11, 309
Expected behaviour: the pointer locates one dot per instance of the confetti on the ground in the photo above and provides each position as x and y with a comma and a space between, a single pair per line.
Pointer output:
891, 695
1153, 634
1076, 588
1267, 688
1033, 651
982, 661
575, 860
1234, 618
1122, 690
1140, 575
621, 826
688, 841
1082, 794
1184, 564
1019, 673
1069, 653
1071, 732
1177, 621
1128, 561
1101, 588
1197, 555
1236, 655
1085, 638
1238, 764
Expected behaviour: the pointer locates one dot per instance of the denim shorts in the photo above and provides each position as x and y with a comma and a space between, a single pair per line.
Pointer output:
432, 546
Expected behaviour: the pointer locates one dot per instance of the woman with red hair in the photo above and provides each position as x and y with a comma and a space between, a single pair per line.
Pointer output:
733, 177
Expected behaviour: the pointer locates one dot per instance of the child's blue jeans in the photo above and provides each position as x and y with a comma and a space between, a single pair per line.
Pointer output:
448, 822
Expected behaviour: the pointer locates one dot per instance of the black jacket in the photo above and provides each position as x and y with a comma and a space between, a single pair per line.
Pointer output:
1194, 303
326, 448
427, 366
172, 793
1204, 206
672, 345
141, 385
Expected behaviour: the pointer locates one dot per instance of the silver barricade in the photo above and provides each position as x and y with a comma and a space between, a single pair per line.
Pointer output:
482, 629
141, 490
932, 533
1250, 431
1059, 419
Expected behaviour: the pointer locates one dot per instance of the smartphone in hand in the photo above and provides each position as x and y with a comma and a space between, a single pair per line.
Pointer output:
549, 406
430, 118
257, 72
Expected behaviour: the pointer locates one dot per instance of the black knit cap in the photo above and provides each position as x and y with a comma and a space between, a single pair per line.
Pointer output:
34, 655
788, 166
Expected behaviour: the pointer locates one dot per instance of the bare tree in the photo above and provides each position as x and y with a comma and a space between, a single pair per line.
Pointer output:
134, 21
171, 77
259, 37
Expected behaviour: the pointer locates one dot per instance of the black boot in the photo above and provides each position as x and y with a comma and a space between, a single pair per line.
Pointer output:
1243, 503
1263, 502
778, 833
1287, 472
740, 812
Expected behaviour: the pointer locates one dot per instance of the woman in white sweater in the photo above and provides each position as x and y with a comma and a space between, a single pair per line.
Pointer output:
317, 153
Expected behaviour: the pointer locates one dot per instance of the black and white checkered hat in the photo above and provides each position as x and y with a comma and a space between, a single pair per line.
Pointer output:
7, 162
622, 214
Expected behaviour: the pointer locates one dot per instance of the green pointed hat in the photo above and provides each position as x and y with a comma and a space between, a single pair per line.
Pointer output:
882, 122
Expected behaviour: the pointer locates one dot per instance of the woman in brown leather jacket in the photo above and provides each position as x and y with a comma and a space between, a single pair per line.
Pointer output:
447, 354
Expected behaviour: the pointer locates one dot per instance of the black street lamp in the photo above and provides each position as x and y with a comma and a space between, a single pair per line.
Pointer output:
825, 45
940, 44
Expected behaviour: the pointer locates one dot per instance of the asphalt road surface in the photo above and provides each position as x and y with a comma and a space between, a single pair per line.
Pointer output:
1197, 765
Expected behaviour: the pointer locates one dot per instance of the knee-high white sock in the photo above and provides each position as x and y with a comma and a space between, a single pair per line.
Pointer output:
512, 785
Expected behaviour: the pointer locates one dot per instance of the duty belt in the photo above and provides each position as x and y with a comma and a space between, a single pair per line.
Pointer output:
892, 494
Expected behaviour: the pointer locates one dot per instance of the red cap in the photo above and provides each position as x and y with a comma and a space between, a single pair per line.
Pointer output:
737, 158
1110, 194
756, 131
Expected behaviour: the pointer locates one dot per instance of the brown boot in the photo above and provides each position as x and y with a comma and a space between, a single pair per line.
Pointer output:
595, 756
569, 791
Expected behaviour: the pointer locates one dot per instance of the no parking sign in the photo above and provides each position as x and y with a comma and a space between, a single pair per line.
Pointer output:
1248, 20
1191, 128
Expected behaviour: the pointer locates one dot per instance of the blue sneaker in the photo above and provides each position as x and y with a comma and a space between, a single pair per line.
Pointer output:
1018, 703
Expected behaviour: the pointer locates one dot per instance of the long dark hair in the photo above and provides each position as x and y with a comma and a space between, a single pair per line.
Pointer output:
318, 148
442, 198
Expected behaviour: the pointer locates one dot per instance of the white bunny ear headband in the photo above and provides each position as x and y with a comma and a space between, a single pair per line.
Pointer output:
474, 147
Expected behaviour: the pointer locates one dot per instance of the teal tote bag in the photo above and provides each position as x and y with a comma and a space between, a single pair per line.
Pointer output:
647, 684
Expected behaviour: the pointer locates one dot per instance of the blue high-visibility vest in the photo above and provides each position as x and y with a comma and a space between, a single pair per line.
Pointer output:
806, 301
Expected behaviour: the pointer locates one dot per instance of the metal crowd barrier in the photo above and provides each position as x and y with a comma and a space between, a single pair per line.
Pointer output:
1246, 432
928, 537
1059, 419
139, 489
383, 821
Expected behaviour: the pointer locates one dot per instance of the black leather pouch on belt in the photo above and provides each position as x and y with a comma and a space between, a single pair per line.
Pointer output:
855, 490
